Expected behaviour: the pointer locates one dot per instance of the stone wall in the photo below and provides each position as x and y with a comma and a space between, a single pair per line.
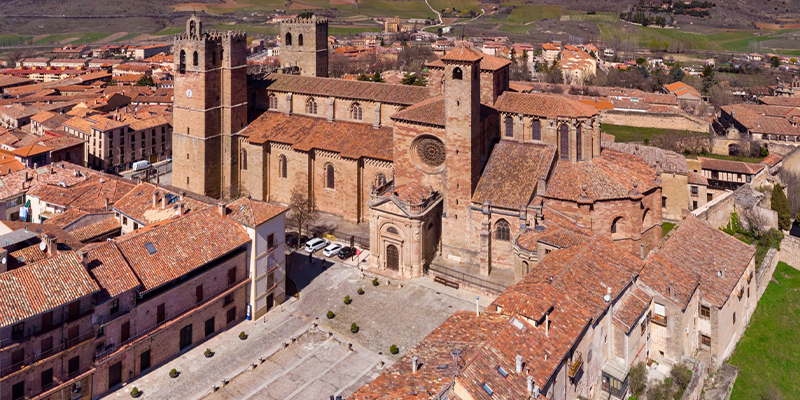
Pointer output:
767, 268
790, 251
654, 120
699, 373
717, 212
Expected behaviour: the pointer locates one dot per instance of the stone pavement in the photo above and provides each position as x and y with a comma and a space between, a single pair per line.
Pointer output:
318, 364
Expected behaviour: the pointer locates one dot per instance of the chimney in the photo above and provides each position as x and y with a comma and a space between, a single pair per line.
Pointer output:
164, 202
179, 210
84, 259
607, 297
50, 242
222, 209
547, 325
530, 384
107, 204
414, 364
155, 199
519, 364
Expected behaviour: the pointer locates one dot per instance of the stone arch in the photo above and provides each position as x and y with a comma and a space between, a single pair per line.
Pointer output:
182, 62
733, 149
509, 121
300, 39
646, 218
282, 166
536, 129
380, 179
330, 176
356, 112
616, 226
563, 141
458, 74
288, 39
273, 102
579, 142
502, 230
195, 59
392, 257
311, 106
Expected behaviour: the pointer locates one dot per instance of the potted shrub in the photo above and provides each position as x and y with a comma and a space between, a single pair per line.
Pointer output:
135, 392
375, 282
360, 291
173, 373
330, 314
353, 327
393, 349
347, 299
208, 353
242, 335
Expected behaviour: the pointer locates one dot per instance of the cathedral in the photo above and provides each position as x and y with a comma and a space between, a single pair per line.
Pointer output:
464, 174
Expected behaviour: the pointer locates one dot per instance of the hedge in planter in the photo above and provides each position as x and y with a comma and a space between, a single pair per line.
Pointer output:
135, 392
360, 291
330, 314
375, 282
208, 353
347, 299
393, 349
173, 373
242, 335
353, 327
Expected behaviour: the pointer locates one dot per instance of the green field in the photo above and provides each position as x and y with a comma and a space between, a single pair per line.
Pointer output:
252, 29
352, 30
645, 35
740, 40
729, 158
456, 4
174, 30
127, 37
90, 38
633, 134
525, 14
666, 227
517, 29
767, 354
13, 39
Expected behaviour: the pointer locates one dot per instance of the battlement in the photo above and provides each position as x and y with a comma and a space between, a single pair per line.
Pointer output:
312, 20
213, 35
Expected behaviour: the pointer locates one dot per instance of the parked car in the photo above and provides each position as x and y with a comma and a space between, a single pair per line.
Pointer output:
347, 252
294, 241
316, 244
332, 250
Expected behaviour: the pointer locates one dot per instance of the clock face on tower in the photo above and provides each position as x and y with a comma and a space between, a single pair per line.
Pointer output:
189, 93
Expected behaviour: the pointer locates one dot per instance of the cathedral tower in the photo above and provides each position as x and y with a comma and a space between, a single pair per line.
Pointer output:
210, 107
304, 45
463, 148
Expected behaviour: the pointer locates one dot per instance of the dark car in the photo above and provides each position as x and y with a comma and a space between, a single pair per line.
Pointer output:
347, 252
294, 241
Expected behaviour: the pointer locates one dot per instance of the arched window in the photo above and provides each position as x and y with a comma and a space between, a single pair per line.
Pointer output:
214, 58
192, 28
355, 112
615, 225
564, 141
273, 102
282, 166
578, 143
330, 182
311, 106
458, 74
244, 160
645, 218
182, 62
195, 59
536, 130
509, 127
502, 231
288, 39
300, 39
380, 179
221, 52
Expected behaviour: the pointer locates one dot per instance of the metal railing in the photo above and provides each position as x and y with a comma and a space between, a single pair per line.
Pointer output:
466, 278
659, 319
34, 358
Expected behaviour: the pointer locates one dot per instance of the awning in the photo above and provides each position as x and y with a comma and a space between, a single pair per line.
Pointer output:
615, 369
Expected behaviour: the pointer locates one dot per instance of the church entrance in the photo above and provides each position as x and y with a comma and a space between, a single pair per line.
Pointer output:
392, 258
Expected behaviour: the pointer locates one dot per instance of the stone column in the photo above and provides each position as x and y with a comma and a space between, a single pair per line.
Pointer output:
377, 110
289, 104
331, 109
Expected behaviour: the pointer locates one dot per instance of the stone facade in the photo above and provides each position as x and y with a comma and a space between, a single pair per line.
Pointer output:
304, 46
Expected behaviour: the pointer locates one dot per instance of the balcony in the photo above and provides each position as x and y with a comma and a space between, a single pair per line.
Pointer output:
34, 357
750, 277
575, 365
659, 319
741, 293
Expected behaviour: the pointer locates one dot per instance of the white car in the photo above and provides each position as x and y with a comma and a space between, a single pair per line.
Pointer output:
316, 244
332, 250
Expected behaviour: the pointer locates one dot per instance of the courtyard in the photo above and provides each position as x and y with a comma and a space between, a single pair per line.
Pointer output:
296, 352
768, 353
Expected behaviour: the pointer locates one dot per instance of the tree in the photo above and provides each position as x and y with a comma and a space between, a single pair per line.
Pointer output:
638, 378
753, 220
302, 210
676, 74
775, 62
681, 375
376, 77
781, 205
145, 80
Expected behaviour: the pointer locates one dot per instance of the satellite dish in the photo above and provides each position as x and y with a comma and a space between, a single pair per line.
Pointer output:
42, 246
3, 261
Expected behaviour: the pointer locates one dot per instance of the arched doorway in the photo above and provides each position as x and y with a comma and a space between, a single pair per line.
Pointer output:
392, 258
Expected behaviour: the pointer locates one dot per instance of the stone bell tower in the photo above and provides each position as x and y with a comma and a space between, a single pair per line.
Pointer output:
210, 107
304, 46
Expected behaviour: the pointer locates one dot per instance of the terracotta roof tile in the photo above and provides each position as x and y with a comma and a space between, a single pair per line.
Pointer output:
462, 53
97, 229
410, 193
660, 159
631, 308
544, 105
253, 213
138, 203
34, 289
697, 179
180, 246
697, 254
488, 62
771, 160
358, 90
427, 112
349, 139
62, 237
737, 167
613, 175
513, 172
106, 264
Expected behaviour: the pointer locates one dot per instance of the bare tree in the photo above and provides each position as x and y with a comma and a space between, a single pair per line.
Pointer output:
302, 210
791, 181
754, 220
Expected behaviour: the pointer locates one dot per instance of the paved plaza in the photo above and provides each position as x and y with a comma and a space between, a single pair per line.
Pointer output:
295, 352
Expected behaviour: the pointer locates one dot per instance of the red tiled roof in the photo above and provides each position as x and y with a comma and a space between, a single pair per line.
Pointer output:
428, 112
544, 105
632, 307
737, 167
253, 213
31, 150
697, 254
138, 203
180, 246
771, 160
488, 62
95, 230
613, 175
107, 265
462, 54
513, 172
349, 139
357, 90
410, 193
660, 159
53, 231
697, 179
34, 289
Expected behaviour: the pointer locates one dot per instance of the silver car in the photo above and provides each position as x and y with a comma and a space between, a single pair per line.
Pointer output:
316, 244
